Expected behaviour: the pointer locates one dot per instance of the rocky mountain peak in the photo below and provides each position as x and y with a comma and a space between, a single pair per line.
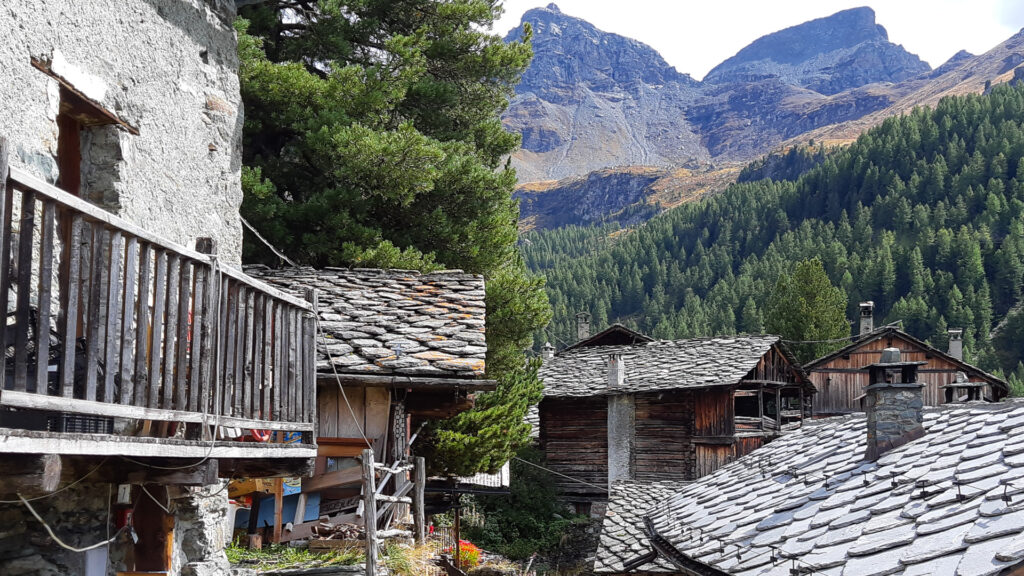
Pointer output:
570, 53
828, 55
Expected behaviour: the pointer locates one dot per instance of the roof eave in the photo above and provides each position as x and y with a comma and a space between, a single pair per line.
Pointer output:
688, 565
402, 381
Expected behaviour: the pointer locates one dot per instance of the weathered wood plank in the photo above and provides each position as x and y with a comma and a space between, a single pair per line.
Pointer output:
238, 333
113, 330
267, 374
279, 355
46, 247
181, 357
259, 303
171, 330
128, 335
230, 335
70, 287
23, 302
418, 501
248, 367
157, 329
92, 339
142, 331
222, 392
309, 372
197, 348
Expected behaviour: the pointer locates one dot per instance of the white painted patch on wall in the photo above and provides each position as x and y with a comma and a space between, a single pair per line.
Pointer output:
92, 86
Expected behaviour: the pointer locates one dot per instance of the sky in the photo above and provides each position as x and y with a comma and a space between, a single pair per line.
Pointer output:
696, 35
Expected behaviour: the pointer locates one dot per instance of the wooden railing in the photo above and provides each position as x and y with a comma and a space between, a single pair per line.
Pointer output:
105, 318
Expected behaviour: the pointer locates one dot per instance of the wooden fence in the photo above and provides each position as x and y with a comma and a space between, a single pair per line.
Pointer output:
105, 318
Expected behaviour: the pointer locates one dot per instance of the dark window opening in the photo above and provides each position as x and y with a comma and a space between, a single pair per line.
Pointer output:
747, 406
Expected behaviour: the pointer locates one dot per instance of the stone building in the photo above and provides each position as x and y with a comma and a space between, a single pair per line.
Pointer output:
133, 105
136, 363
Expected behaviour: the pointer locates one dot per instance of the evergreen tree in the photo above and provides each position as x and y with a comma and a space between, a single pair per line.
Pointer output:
373, 137
806, 309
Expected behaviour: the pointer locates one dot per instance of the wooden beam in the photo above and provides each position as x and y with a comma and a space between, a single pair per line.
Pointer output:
399, 381
332, 479
30, 474
266, 468
68, 443
437, 406
32, 401
148, 471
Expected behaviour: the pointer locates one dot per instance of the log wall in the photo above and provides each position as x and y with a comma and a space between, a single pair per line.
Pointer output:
574, 438
664, 436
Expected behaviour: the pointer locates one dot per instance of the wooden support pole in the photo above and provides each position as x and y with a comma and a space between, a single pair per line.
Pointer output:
278, 508
420, 481
255, 542
370, 512
458, 531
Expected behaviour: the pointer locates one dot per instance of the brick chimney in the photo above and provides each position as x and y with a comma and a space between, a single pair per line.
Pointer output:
894, 403
582, 326
621, 422
867, 317
956, 343
547, 351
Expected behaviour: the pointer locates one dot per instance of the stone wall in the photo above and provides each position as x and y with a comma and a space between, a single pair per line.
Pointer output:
165, 67
79, 517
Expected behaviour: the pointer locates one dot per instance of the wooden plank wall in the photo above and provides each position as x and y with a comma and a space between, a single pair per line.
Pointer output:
747, 444
711, 457
574, 438
664, 436
714, 413
838, 385
371, 407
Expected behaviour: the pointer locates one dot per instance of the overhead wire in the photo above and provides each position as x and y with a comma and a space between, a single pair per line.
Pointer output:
550, 471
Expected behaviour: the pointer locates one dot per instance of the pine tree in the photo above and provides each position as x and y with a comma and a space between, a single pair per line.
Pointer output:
808, 310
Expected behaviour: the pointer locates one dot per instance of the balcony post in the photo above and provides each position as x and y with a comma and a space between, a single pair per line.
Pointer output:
4, 238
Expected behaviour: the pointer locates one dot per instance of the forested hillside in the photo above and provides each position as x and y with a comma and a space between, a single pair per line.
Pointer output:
923, 214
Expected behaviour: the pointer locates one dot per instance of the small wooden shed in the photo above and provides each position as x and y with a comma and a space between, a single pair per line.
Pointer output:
395, 348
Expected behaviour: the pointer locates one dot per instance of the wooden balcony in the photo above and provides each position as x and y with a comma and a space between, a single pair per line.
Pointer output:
121, 343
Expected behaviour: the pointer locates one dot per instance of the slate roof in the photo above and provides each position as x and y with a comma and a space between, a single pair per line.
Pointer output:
1000, 386
394, 322
658, 365
951, 502
622, 535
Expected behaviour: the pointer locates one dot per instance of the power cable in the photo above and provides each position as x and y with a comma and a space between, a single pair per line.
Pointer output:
276, 252
603, 489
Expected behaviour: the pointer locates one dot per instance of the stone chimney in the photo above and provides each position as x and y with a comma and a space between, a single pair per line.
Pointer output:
621, 423
956, 343
547, 351
894, 403
867, 317
582, 326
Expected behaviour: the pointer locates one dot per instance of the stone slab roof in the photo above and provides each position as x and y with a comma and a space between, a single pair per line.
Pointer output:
658, 365
393, 322
622, 534
951, 502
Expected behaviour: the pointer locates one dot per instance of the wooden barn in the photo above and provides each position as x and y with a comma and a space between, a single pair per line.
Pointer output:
841, 379
664, 410
395, 348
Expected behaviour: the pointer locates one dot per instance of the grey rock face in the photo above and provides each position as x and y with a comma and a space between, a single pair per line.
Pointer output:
593, 100
827, 55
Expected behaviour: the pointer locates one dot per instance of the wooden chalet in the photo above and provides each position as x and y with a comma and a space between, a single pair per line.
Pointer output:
395, 348
841, 379
664, 410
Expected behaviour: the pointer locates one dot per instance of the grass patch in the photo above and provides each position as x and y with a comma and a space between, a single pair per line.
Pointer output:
275, 557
